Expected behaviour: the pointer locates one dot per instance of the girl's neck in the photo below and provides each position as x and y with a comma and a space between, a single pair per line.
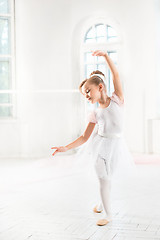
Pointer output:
104, 100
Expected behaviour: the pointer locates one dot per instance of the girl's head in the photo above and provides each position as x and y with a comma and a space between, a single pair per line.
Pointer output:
93, 87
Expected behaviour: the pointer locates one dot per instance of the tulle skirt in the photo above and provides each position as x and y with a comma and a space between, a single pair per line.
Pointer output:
106, 157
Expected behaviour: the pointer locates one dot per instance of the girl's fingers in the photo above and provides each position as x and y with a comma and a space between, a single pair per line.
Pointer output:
59, 149
94, 52
97, 53
54, 153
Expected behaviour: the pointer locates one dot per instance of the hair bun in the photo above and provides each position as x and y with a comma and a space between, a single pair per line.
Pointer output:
97, 72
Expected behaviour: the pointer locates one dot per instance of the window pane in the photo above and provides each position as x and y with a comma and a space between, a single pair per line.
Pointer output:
89, 40
89, 35
98, 59
5, 81
5, 111
88, 57
111, 32
111, 86
4, 36
88, 69
4, 6
100, 39
112, 39
5, 98
113, 55
100, 30
102, 68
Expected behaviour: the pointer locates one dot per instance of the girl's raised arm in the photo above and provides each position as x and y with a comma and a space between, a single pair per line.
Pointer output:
115, 75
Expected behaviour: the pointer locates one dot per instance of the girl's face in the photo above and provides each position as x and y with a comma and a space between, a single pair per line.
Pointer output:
92, 92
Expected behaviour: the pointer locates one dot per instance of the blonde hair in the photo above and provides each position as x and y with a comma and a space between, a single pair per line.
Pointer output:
95, 78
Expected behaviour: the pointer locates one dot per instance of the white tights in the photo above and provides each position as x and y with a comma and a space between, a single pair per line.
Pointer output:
105, 188
105, 192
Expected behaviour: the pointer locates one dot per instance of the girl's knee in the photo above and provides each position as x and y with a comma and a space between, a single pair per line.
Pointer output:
104, 179
105, 185
102, 169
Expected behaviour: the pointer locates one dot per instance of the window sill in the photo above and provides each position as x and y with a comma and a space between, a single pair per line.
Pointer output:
8, 120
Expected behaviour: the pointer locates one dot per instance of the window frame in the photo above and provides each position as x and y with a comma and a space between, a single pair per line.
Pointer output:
11, 58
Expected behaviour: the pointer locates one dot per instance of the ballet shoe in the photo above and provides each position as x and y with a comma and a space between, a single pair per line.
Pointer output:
102, 222
95, 210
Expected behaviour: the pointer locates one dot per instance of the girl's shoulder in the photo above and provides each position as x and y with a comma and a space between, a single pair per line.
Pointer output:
91, 117
116, 99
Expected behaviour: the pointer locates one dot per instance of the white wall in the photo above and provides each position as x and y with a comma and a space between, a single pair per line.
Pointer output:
47, 45
157, 49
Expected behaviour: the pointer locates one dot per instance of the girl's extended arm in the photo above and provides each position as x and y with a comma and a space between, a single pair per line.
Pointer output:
79, 141
115, 75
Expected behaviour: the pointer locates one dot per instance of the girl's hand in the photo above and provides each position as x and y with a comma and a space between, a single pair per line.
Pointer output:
59, 149
98, 53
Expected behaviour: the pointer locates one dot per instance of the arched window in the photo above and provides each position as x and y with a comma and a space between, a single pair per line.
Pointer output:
100, 36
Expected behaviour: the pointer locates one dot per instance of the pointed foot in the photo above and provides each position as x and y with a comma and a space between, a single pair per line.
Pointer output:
95, 210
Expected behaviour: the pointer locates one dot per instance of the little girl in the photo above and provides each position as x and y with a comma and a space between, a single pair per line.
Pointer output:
108, 147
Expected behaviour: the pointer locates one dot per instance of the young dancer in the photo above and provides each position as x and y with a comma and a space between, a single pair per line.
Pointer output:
109, 150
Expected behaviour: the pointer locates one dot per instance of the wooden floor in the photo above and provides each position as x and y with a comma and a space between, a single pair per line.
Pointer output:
48, 199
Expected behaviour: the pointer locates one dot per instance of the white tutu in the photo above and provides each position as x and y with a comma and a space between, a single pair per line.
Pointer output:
119, 163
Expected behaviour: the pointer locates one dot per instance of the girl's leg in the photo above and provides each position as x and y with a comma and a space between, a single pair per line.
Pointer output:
102, 170
105, 192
